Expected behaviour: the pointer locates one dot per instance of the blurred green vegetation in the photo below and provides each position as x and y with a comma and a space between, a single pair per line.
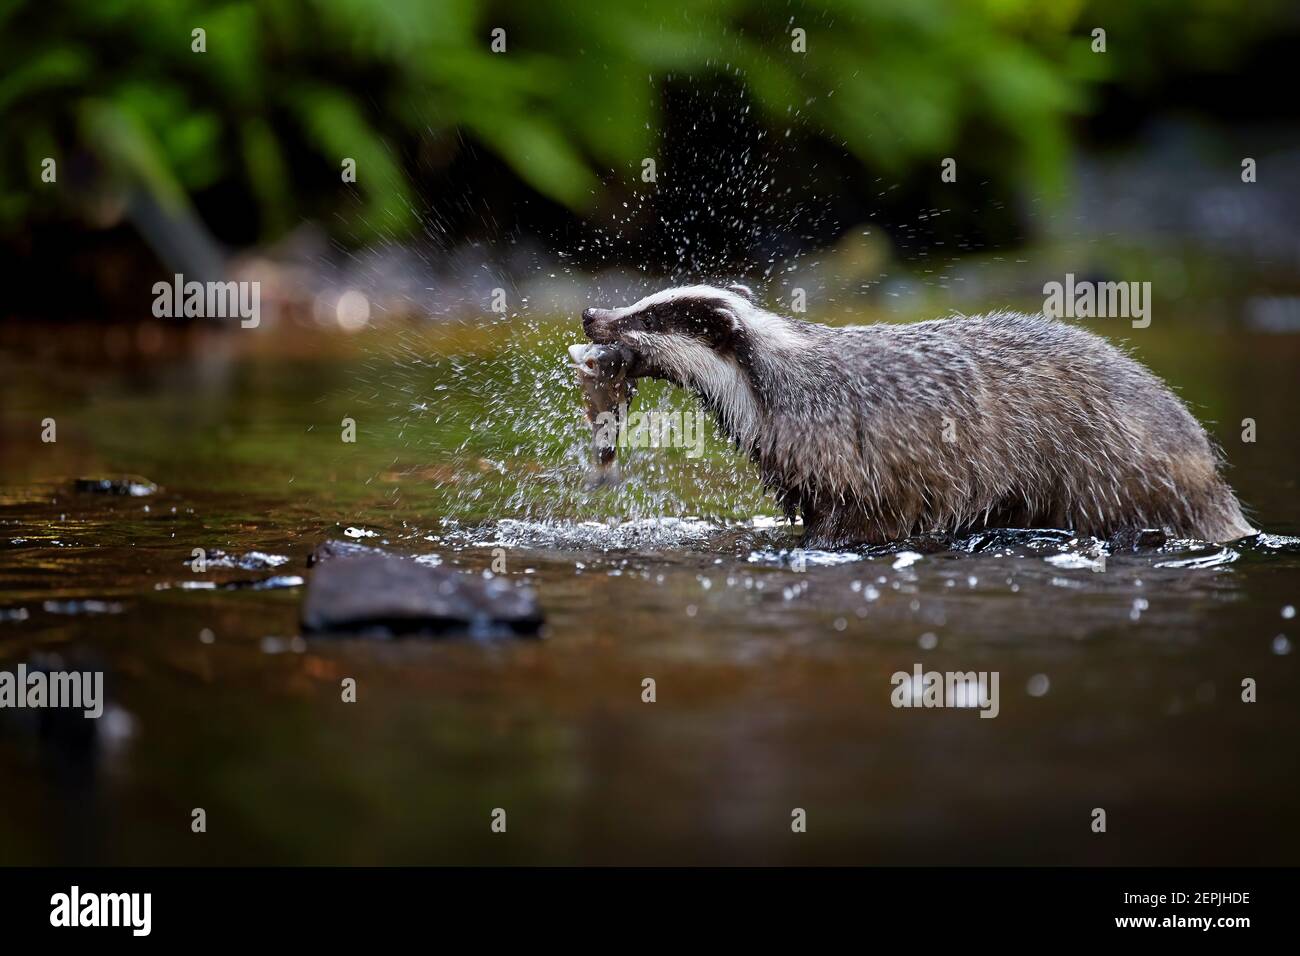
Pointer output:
287, 88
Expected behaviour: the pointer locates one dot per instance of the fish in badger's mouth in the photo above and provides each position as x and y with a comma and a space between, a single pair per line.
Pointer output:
608, 386
696, 338
874, 433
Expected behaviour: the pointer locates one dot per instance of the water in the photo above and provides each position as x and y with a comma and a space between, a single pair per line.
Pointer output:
1120, 672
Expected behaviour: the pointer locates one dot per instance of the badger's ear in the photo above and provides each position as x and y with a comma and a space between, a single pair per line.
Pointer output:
732, 320
744, 291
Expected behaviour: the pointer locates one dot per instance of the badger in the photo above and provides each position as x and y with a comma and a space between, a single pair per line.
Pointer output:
876, 433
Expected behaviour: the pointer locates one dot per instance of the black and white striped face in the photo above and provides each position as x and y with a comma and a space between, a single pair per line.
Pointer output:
700, 337
711, 316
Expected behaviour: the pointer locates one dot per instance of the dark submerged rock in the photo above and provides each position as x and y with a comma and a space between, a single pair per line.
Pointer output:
131, 486
250, 561
336, 548
382, 594
89, 606
273, 583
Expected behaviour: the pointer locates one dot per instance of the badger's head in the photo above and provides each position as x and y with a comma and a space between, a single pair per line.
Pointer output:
707, 315
715, 341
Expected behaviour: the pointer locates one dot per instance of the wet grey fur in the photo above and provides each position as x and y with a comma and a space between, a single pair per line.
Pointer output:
874, 433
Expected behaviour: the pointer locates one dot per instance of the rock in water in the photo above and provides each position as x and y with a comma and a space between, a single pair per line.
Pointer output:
132, 486
335, 548
390, 596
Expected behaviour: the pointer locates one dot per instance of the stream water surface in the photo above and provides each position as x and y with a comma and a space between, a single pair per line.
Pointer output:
1120, 674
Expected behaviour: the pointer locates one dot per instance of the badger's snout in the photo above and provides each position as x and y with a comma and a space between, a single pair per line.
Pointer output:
599, 324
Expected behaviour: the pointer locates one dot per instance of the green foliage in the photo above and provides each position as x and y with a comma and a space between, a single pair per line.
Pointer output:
288, 88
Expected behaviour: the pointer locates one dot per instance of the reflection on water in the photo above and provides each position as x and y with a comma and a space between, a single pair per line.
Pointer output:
1121, 668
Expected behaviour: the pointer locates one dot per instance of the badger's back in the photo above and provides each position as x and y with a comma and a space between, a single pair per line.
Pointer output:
1001, 420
